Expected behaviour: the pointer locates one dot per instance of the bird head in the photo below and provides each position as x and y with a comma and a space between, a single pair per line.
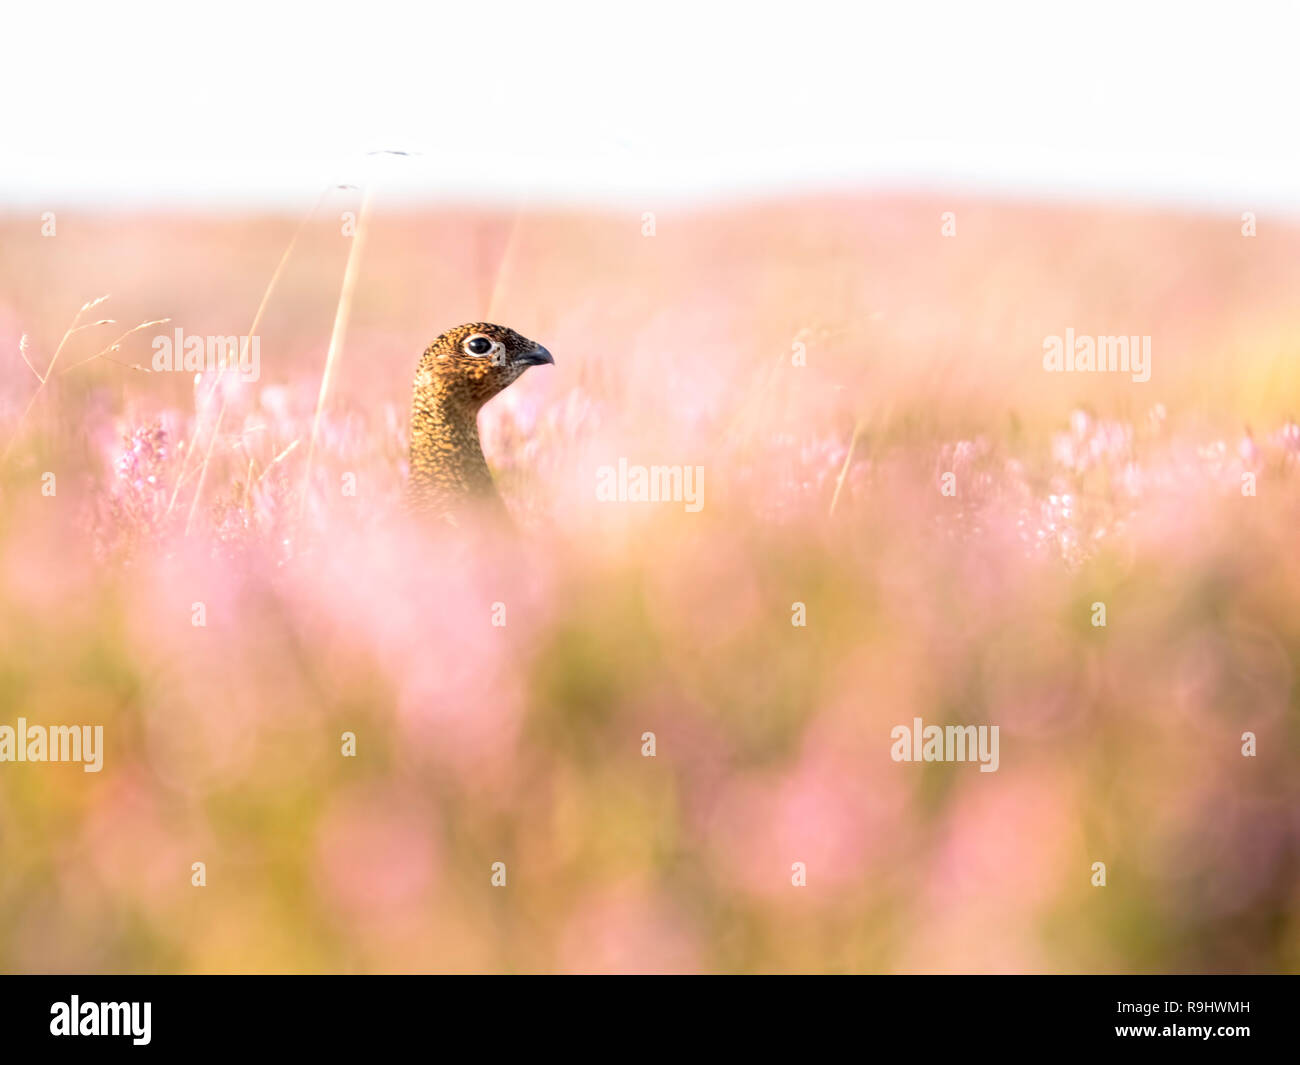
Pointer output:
476, 361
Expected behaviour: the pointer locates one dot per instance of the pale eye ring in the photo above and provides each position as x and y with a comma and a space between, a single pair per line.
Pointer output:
478, 344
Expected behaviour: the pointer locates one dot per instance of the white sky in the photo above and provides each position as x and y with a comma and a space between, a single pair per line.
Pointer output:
160, 102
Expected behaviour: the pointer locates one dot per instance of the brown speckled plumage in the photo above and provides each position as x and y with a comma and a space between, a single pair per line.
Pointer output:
449, 475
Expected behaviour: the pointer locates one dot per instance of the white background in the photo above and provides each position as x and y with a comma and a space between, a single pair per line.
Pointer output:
159, 102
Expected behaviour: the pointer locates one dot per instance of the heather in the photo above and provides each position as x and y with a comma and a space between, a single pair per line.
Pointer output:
831, 365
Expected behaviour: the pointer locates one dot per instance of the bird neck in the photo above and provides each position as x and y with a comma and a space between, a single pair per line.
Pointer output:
447, 463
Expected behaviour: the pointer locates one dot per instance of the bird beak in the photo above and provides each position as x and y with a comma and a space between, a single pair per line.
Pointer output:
539, 356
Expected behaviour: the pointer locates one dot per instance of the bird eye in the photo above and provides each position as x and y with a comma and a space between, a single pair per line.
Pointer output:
478, 345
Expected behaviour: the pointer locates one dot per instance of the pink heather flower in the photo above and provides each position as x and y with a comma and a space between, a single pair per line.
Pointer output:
628, 929
376, 854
